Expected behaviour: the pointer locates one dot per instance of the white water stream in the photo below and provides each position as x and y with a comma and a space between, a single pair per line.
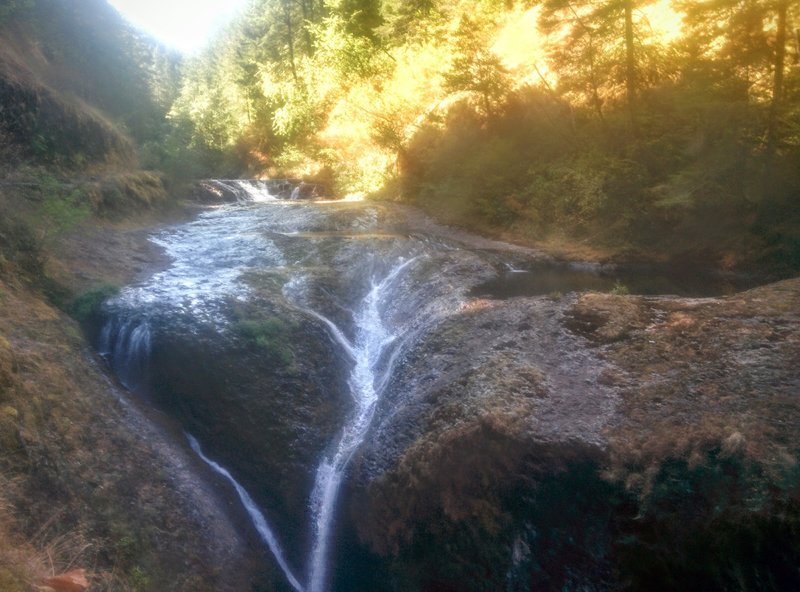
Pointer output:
259, 521
366, 380
209, 257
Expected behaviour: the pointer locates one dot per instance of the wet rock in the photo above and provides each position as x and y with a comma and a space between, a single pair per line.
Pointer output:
618, 439
492, 404
268, 414
208, 192
309, 191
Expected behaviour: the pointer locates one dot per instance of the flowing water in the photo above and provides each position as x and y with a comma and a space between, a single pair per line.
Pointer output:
350, 271
372, 339
212, 259
264, 531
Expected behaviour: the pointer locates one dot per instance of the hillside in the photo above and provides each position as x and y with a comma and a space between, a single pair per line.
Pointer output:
86, 480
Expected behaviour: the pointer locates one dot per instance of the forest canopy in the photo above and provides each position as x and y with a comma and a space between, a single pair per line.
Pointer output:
623, 117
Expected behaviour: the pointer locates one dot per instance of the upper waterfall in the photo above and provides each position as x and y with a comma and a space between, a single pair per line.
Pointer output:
257, 190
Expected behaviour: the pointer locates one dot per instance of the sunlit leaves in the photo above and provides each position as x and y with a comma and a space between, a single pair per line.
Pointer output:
348, 83
474, 67
597, 63
351, 57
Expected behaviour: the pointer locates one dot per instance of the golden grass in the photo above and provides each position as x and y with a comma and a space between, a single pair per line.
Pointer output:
20, 563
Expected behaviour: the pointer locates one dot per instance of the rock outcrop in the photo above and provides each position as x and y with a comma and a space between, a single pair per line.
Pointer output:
592, 442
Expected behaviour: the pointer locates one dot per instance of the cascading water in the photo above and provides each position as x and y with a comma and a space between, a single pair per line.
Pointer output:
264, 531
126, 345
262, 190
295, 242
372, 339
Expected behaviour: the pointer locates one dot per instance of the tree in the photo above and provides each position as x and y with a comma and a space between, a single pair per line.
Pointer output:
600, 49
475, 68
744, 43
777, 78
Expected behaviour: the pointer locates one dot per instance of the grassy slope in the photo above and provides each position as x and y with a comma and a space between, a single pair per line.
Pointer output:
83, 481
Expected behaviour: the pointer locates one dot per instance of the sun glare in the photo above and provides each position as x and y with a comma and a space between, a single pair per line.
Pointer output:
664, 21
186, 25
518, 43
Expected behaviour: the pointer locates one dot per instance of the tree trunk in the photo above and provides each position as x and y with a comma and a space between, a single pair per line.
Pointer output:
307, 17
797, 46
597, 102
777, 81
290, 32
630, 63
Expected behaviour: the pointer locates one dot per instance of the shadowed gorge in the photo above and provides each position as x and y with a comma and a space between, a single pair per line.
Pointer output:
339, 361
400, 296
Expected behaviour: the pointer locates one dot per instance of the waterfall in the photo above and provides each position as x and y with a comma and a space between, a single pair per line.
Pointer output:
264, 531
126, 345
372, 339
246, 190
256, 191
210, 256
259, 190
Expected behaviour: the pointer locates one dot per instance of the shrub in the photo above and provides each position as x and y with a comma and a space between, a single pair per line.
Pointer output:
269, 335
620, 289
86, 307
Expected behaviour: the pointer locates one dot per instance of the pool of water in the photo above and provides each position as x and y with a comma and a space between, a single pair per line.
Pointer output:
550, 278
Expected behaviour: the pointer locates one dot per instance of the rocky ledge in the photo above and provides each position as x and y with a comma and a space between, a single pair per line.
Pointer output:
588, 442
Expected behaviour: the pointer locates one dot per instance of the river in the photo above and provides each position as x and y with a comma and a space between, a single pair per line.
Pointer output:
277, 328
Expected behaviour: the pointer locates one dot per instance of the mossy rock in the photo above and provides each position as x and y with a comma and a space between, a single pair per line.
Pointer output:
271, 335
86, 307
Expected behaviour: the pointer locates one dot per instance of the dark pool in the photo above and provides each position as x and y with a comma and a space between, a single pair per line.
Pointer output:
550, 278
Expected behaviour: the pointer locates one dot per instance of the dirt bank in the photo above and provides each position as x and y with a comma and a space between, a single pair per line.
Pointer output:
89, 478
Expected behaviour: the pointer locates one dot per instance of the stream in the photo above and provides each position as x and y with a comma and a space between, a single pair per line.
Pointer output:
276, 332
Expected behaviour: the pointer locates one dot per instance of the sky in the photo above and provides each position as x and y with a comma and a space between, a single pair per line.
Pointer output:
186, 25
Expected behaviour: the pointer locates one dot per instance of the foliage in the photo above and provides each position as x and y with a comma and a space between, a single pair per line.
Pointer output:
620, 289
62, 208
474, 67
86, 307
270, 336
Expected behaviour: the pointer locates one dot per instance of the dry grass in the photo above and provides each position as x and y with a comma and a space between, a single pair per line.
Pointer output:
704, 383
81, 486
20, 563
27, 560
